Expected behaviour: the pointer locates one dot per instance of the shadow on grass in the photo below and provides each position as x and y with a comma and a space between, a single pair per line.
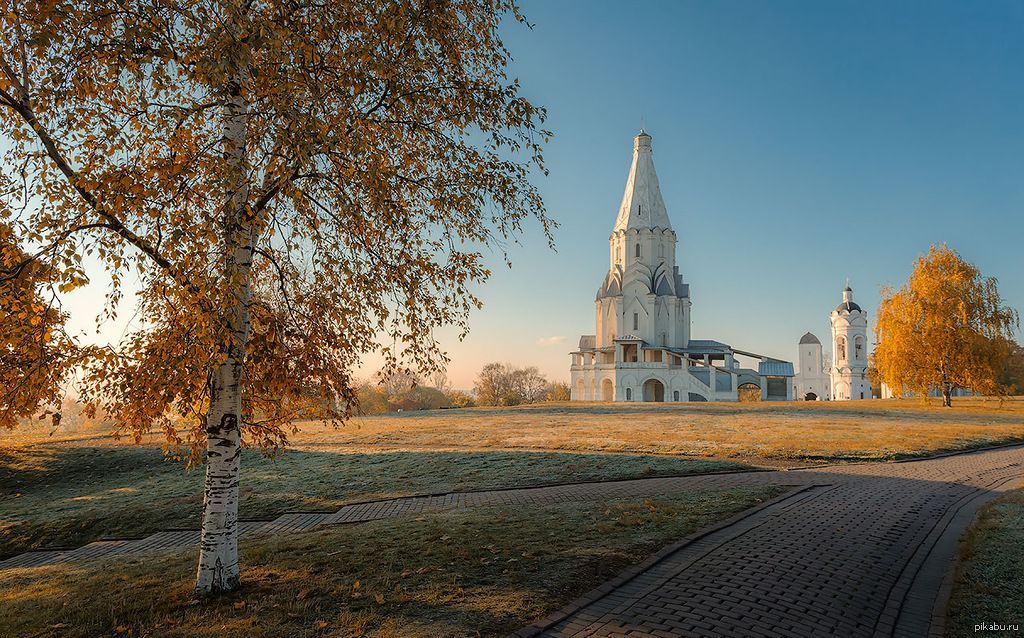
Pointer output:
63, 495
484, 571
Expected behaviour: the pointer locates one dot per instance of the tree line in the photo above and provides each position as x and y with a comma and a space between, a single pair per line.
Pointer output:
497, 384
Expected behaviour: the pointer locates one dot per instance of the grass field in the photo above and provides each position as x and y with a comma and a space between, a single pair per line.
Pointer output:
71, 494
444, 574
76, 485
481, 572
988, 586
794, 432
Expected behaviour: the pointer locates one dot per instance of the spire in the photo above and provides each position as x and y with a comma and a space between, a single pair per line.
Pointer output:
642, 204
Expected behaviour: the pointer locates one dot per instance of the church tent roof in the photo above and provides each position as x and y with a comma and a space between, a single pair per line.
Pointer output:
642, 204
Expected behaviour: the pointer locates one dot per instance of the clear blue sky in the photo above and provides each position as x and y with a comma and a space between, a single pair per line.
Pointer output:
797, 144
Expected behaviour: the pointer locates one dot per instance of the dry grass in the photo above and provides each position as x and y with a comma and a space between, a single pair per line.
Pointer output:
800, 431
988, 587
481, 572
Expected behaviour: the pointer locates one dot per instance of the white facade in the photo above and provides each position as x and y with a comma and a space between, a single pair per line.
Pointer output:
849, 373
812, 381
641, 349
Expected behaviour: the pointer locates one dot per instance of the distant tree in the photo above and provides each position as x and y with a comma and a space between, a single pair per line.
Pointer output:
1013, 373
419, 398
460, 399
439, 380
946, 328
290, 182
370, 398
35, 351
557, 391
748, 392
396, 382
874, 378
504, 384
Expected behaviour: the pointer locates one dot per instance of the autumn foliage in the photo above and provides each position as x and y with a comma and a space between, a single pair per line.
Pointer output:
946, 328
36, 353
292, 184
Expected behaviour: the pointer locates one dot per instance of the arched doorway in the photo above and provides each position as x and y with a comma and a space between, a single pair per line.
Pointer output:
749, 392
810, 396
607, 390
654, 390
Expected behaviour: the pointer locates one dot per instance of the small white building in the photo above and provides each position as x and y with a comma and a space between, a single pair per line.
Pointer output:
813, 381
642, 350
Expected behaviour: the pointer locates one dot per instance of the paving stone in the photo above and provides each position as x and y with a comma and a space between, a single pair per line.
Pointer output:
861, 553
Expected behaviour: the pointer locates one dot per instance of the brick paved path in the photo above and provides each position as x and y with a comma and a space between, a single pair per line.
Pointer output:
859, 550
863, 551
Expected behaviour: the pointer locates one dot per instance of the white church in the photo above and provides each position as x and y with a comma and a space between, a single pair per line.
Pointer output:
847, 376
642, 350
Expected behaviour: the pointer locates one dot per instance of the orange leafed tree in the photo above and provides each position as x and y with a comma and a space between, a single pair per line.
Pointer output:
35, 352
946, 328
291, 182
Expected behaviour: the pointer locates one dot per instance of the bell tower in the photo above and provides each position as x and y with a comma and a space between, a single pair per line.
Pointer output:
849, 350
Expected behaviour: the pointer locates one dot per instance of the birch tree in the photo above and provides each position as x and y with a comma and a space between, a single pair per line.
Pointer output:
291, 183
946, 328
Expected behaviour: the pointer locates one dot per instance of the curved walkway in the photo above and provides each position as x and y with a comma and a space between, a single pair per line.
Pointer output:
865, 550
858, 550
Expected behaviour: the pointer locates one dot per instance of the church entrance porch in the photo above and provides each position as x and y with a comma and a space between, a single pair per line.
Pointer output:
654, 390
810, 396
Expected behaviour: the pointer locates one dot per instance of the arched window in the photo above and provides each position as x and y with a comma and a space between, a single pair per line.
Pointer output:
629, 394
858, 348
675, 395
841, 348
636, 251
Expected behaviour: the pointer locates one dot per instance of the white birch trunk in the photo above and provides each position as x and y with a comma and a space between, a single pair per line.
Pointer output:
218, 569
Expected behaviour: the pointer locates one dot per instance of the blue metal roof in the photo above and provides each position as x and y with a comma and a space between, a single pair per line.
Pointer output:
775, 369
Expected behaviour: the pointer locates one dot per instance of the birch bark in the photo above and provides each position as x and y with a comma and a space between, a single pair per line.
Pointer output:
218, 546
